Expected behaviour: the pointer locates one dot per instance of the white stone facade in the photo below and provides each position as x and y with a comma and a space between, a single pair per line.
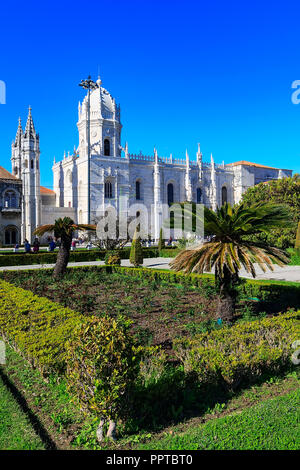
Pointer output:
117, 178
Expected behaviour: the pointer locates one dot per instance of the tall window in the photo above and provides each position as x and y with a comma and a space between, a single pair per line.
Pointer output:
108, 190
10, 199
31, 164
170, 193
138, 190
10, 236
107, 147
224, 195
199, 195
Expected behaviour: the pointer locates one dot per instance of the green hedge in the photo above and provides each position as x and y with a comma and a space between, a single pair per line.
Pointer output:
18, 259
243, 352
37, 327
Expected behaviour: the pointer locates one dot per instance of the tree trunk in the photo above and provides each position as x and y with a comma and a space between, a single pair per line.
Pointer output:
62, 257
111, 430
99, 432
225, 307
226, 302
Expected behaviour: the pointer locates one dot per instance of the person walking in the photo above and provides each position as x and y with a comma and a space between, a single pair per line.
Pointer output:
27, 246
36, 245
52, 245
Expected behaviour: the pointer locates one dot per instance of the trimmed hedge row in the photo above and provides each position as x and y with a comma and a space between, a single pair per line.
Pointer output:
37, 327
244, 352
18, 259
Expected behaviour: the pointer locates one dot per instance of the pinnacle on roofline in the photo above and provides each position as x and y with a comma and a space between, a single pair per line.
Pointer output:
29, 129
19, 133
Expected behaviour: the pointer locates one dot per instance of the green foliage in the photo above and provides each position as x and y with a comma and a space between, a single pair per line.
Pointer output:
16, 431
18, 259
284, 191
102, 365
243, 352
136, 253
37, 327
63, 228
161, 241
297, 242
228, 249
270, 425
113, 258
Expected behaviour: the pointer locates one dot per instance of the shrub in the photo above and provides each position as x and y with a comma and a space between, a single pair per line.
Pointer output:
136, 252
297, 242
37, 327
161, 241
102, 365
243, 352
113, 258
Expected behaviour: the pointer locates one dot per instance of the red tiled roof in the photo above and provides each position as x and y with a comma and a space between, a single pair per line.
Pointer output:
6, 174
243, 162
44, 190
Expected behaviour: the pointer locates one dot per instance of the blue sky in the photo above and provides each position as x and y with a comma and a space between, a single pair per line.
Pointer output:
218, 73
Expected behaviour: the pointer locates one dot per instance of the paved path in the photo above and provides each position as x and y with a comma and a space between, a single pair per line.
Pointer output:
287, 273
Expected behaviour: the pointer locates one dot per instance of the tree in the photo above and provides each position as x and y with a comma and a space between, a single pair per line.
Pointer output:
161, 241
283, 191
297, 242
228, 249
136, 251
118, 241
63, 229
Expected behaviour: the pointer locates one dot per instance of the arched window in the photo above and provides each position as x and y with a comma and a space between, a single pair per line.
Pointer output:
224, 195
199, 195
10, 199
10, 236
106, 147
170, 193
108, 190
138, 190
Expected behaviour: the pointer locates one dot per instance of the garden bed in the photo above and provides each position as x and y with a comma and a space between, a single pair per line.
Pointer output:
175, 311
160, 311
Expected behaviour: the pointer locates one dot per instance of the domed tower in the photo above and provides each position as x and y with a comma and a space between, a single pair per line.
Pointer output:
105, 124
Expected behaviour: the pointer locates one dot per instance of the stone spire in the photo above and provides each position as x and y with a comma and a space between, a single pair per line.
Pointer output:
188, 184
157, 196
155, 156
29, 129
199, 155
199, 161
19, 134
213, 184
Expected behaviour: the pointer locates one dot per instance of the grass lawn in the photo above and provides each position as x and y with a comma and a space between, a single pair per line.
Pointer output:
271, 425
264, 414
16, 431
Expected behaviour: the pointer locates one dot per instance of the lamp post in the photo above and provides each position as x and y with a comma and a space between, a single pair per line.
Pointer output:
89, 85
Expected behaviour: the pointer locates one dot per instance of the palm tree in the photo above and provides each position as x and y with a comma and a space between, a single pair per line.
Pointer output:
63, 229
230, 247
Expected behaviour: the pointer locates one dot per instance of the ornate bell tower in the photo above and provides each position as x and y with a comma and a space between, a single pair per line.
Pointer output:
25, 161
